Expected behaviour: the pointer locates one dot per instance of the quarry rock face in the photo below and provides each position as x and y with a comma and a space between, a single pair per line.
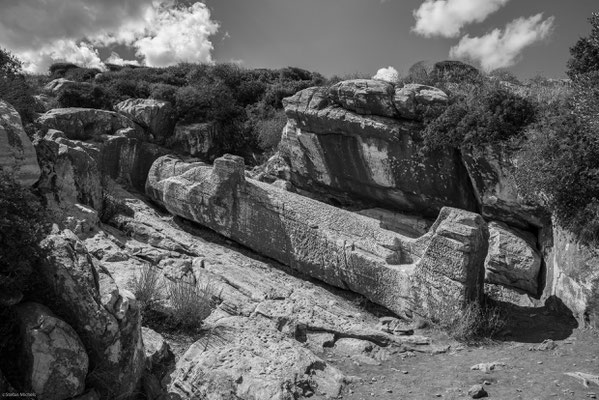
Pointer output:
341, 248
342, 154
155, 116
513, 260
106, 318
17, 154
86, 123
53, 358
492, 174
197, 140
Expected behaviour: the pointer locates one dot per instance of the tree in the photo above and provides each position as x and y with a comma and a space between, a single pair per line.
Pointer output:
585, 53
9, 64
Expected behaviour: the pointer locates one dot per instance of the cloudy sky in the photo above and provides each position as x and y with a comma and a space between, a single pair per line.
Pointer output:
528, 37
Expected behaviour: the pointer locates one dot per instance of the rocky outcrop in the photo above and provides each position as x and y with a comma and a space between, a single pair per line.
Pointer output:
197, 140
338, 247
365, 97
17, 154
491, 171
155, 116
513, 260
342, 154
86, 123
573, 276
414, 101
56, 86
53, 359
106, 319
234, 367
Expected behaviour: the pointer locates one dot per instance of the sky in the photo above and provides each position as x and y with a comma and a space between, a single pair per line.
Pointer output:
333, 37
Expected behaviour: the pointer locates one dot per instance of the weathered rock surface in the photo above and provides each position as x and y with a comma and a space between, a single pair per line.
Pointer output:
243, 359
365, 96
17, 154
106, 319
197, 140
85, 123
338, 247
156, 348
491, 171
413, 100
512, 260
156, 116
342, 154
53, 358
56, 86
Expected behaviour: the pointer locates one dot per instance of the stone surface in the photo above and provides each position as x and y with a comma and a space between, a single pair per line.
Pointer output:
341, 154
513, 260
244, 360
491, 171
156, 348
85, 123
197, 140
17, 154
56, 86
407, 225
156, 116
338, 247
106, 319
365, 96
53, 358
414, 101
477, 392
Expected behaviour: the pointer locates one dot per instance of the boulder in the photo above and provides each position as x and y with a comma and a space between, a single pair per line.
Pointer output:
53, 358
85, 123
415, 101
243, 359
106, 318
341, 248
491, 171
156, 349
365, 97
56, 86
196, 140
376, 160
513, 260
17, 154
155, 116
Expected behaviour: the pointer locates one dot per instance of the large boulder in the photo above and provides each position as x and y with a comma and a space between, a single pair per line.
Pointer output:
197, 140
365, 96
243, 359
377, 160
52, 358
85, 123
492, 173
17, 154
513, 260
156, 116
106, 318
415, 101
341, 248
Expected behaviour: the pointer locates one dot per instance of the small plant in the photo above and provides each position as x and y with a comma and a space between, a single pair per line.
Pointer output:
191, 302
145, 287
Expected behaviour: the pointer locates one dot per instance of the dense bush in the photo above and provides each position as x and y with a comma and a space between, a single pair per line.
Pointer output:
14, 87
489, 114
85, 95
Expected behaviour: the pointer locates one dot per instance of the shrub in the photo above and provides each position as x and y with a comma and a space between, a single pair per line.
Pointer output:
191, 302
490, 114
145, 287
112, 204
14, 88
58, 70
85, 95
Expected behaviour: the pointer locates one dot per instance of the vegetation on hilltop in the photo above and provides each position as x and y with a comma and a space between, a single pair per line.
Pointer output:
14, 87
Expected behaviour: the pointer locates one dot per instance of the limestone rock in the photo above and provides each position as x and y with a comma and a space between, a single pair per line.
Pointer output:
413, 100
341, 248
53, 358
196, 140
17, 154
156, 116
85, 123
512, 260
491, 171
239, 359
365, 96
377, 160
106, 319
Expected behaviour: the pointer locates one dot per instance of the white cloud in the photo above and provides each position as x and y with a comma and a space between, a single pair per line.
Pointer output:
116, 59
162, 32
389, 74
503, 48
447, 17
